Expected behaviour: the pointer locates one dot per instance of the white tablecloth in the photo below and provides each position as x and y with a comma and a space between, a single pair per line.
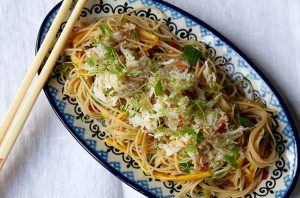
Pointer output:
47, 162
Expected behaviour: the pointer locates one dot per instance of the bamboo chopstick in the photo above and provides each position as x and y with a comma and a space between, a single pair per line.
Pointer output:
21, 117
14, 106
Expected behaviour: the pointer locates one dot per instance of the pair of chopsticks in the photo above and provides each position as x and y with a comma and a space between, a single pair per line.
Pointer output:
15, 117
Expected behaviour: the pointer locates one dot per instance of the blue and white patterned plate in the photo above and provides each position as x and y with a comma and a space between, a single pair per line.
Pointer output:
284, 173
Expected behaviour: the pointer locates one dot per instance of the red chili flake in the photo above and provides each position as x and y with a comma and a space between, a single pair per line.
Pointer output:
91, 108
221, 127
179, 121
1, 160
173, 44
265, 174
121, 101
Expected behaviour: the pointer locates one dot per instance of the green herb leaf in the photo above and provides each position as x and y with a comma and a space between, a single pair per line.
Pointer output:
235, 151
63, 68
232, 161
134, 72
105, 30
227, 83
206, 193
156, 66
96, 42
108, 91
200, 136
120, 69
191, 54
160, 128
153, 111
200, 103
245, 121
186, 167
181, 132
97, 70
133, 35
197, 108
127, 114
191, 148
158, 88
172, 100
185, 158
188, 131
91, 60
121, 107
234, 111
110, 54
232, 157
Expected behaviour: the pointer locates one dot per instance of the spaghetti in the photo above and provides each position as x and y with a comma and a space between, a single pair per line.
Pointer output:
169, 106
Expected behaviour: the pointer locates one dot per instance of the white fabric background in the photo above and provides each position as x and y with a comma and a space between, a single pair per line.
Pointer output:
48, 163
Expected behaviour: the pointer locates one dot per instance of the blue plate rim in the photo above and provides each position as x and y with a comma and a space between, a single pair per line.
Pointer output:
221, 37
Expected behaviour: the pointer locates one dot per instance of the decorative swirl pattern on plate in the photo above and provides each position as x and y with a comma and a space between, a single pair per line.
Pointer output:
180, 33
106, 8
271, 183
94, 125
226, 64
173, 187
126, 158
146, 13
259, 97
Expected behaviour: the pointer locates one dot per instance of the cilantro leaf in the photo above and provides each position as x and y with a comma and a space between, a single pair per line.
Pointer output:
172, 100
206, 193
153, 111
197, 108
108, 90
97, 70
185, 158
235, 151
200, 103
191, 148
134, 72
245, 121
191, 54
63, 68
231, 160
91, 60
181, 132
188, 131
120, 69
127, 114
133, 35
160, 128
232, 157
186, 167
110, 54
121, 107
105, 30
226, 84
158, 88
96, 42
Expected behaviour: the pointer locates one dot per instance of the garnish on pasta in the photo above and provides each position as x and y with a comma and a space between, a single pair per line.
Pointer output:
169, 106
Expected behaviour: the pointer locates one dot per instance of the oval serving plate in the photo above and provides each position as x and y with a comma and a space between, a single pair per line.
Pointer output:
283, 174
